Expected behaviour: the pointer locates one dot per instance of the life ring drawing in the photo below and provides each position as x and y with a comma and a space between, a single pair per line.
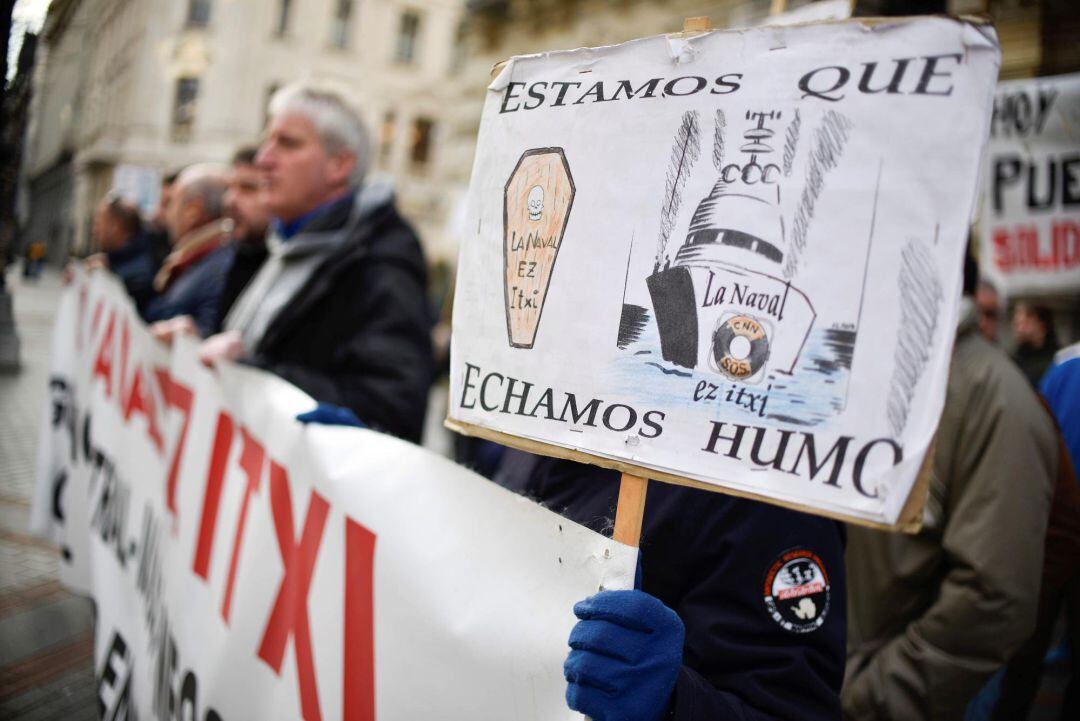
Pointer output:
740, 347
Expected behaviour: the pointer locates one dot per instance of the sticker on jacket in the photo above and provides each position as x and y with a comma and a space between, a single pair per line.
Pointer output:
797, 591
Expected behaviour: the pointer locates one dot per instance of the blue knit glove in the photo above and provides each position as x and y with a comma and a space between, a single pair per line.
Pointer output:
627, 652
330, 415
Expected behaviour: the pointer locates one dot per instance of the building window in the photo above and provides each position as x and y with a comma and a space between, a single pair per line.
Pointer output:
386, 136
408, 33
339, 26
183, 119
459, 52
420, 142
271, 89
198, 15
284, 10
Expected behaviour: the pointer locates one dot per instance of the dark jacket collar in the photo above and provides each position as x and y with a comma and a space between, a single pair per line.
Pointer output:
379, 236
328, 216
134, 247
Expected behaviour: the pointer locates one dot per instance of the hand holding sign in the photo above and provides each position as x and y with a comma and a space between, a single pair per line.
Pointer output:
627, 652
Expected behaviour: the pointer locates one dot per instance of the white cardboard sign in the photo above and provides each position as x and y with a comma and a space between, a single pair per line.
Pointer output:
731, 258
1031, 203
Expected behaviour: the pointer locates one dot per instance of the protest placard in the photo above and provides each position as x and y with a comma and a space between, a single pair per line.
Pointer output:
248, 567
1030, 218
729, 260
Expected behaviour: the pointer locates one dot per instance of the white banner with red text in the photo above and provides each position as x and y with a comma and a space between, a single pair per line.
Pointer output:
247, 566
1031, 188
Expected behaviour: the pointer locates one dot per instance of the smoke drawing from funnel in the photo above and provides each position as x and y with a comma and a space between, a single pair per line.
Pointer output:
921, 296
718, 141
791, 143
829, 141
684, 153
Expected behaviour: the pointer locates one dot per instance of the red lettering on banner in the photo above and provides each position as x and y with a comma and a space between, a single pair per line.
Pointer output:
178, 397
290, 614
125, 352
1019, 247
79, 330
252, 458
104, 362
215, 477
139, 399
95, 318
134, 394
359, 660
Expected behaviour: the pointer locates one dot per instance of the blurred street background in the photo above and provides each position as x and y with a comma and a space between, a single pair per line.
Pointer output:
113, 96
46, 633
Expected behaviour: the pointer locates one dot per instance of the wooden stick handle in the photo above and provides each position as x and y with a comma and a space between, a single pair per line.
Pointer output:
630, 509
697, 25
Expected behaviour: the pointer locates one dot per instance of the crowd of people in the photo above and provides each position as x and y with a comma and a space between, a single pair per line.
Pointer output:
293, 260
288, 261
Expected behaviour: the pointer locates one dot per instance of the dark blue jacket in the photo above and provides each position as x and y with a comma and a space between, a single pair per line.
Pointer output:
731, 569
1061, 389
197, 292
358, 332
134, 266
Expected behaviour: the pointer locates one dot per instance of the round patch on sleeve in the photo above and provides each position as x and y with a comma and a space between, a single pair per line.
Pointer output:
797, 591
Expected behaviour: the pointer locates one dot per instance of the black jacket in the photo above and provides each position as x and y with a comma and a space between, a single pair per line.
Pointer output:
135, 266
248, 259
358, 332
719, 562
195, 292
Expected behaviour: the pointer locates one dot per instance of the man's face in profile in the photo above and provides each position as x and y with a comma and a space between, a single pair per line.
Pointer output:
989, 307
298, 172
244, 204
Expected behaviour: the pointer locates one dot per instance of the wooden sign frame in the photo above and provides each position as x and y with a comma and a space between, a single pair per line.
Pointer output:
909, 521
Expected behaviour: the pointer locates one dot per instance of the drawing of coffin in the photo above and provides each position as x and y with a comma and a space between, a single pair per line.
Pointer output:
729, 320
536, 207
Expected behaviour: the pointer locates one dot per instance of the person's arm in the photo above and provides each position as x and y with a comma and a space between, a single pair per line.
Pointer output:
756, 619
382, 369
996, 514
140, 285
204, 310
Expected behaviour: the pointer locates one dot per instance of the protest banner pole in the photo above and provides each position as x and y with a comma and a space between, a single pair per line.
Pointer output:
778, 6
630, 508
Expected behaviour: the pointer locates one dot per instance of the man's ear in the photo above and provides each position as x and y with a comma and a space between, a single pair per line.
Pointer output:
192, 212
341, 167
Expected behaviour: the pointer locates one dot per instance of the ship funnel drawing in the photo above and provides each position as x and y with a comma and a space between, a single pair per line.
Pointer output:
536, 207
742, 212
720, 303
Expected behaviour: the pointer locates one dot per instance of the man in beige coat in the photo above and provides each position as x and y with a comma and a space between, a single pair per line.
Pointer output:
932, 616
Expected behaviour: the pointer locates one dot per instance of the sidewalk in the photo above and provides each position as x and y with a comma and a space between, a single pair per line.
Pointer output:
46, 633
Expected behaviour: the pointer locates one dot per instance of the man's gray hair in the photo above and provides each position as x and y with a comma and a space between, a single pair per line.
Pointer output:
207, 182
336, 120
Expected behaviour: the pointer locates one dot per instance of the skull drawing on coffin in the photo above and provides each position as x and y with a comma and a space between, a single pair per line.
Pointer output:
536, 202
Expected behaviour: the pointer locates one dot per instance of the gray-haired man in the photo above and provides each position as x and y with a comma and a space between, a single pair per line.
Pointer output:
192, 277
339, 308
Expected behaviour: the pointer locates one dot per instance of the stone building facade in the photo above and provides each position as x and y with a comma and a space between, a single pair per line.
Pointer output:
494, 30
133, 89
152, 85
